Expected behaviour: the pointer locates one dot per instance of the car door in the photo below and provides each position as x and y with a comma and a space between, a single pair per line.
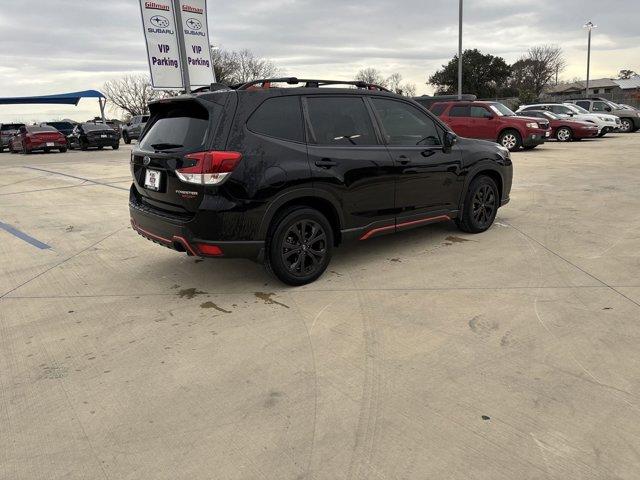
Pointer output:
483, 123
349, 163
458, 119
427, 183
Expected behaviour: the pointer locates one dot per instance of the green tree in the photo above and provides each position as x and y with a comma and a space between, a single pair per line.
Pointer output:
626, 74
482, 75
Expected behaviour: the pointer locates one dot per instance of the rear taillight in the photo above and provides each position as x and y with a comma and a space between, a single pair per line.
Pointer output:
210, 168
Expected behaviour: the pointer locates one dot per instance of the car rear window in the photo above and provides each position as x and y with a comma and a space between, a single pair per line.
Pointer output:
95, 127
180, 125
340, 121
40, 129
58, 125
279, 117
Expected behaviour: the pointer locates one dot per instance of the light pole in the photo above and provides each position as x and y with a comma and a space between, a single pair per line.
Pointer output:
460, 52
589, 26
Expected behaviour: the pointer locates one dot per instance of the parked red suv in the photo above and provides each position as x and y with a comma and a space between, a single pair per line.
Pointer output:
493, 121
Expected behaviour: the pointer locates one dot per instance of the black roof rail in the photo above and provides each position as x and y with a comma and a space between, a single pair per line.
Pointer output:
308, 83
211, 88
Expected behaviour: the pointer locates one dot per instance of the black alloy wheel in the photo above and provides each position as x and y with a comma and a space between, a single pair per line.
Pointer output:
480, 206
300, 246
484, 205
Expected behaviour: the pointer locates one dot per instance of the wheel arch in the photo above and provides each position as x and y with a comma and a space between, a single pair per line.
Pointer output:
510, 128
483, 169
306, 197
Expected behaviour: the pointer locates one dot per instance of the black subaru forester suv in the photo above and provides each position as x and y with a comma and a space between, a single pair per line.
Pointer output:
284, 175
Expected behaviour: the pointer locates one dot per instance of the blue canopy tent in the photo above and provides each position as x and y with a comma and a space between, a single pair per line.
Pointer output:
62, 99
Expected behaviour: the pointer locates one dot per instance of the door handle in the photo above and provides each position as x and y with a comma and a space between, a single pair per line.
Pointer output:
326, 163
403, 160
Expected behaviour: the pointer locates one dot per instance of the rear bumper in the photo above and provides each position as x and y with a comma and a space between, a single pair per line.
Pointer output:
103, 142
178, 236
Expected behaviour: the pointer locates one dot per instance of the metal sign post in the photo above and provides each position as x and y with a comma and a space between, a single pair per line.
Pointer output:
182, 49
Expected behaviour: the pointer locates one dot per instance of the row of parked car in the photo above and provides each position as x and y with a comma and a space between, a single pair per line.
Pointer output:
533, 124
63, 135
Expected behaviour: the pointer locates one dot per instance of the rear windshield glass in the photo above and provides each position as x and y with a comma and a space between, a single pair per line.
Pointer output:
63, 125
178, 126
36, 129
11, 126
95, 127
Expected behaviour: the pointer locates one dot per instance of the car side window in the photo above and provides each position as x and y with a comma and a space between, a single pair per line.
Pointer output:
584, 105
480, 112
341, 121
599, 106
438, 109
560, 109
278, 117
406, 125
460, 111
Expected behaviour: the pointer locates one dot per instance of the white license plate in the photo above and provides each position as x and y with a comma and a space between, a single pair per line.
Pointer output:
50, 144
152, 180
103, 136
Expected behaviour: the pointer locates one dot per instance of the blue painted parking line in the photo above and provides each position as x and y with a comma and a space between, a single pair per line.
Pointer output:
23, 236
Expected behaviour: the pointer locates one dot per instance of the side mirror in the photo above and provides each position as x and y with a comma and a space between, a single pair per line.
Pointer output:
450, 139
608, 108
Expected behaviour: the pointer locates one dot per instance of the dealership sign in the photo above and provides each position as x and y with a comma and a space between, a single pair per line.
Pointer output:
196, 41
177, 38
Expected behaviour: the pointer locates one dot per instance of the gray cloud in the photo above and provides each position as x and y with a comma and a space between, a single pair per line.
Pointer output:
62, 45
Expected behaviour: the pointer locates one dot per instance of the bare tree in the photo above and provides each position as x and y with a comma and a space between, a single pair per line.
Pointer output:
131, 94
395, 84
234, 67
539, 67
371, 75
626, 74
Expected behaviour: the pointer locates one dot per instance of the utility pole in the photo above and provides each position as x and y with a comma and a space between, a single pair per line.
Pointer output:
182, 47
460, 52
589, 26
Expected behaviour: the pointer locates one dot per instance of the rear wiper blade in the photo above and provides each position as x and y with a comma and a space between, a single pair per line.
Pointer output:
165, 146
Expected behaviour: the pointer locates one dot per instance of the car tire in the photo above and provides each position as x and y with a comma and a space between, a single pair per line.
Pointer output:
63, 150
564, 134
84, 146
125, 138
1, 148
480, 207
25, 150
299, 245
511, 140
626, 125
602, 134
115, 146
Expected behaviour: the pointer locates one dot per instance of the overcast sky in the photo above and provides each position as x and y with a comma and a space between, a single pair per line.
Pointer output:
53, 46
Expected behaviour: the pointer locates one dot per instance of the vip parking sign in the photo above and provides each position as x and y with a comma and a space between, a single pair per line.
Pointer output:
196, 41
158, 23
